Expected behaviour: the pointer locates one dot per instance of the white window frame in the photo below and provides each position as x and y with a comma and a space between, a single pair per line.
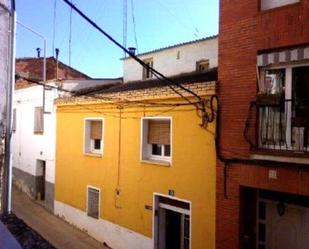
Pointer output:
146, 148
288, 95
88, 146
35, 129
145, 70
96, 188
159, 157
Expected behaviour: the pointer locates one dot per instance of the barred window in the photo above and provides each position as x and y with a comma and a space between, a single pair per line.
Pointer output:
93, 200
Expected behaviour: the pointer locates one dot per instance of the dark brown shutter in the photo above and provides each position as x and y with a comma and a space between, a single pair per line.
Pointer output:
159, 132
96, 130
14, 120
38, 120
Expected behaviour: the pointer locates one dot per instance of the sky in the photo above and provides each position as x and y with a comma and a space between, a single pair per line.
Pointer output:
158, 23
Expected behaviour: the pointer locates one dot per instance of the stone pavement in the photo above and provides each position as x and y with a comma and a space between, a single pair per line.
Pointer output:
58, 232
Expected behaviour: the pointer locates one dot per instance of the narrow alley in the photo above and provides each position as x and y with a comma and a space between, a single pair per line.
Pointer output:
59, 233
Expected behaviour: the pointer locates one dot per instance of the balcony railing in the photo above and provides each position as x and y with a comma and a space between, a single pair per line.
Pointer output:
283, 124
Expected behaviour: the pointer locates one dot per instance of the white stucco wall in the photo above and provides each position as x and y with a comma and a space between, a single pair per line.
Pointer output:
115, 236
27, 146
167, 63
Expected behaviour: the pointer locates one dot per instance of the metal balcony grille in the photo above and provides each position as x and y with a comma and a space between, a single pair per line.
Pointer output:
93, 203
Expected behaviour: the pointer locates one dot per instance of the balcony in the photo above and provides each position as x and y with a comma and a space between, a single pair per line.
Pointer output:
282, 111
284, 125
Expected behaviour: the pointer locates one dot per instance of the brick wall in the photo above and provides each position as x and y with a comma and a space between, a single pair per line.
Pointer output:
244, 32
155, 93
33, 68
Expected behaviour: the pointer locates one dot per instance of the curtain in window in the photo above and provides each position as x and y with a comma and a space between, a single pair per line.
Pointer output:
38, 120
96, 130
273, 126
159, 132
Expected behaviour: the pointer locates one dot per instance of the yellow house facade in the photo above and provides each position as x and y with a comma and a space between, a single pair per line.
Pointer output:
135, 168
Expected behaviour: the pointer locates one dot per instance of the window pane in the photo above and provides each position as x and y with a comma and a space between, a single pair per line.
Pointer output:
97, 144
167, 150
300, 107
157, 149
274, 81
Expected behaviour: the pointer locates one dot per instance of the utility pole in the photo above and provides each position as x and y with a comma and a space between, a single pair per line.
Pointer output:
7, 81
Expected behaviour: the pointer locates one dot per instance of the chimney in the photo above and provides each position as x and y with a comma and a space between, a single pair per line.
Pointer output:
38, 50
57, 57
57, 53
132, 50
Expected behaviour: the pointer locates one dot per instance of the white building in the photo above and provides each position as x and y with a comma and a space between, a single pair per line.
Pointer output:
174, 60
34, 135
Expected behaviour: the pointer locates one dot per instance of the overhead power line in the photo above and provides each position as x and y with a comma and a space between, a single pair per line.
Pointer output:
117, 101
157, 74
54, 25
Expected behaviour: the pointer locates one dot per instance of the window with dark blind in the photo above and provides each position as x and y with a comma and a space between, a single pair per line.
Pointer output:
93, 200
159, 132
93, 136
156, 139
38, 120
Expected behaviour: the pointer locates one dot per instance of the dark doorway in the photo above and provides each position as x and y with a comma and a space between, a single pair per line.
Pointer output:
40, 180
173, 230
172, 223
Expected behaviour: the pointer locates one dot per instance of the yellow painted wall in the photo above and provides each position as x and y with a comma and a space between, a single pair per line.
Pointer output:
191, 174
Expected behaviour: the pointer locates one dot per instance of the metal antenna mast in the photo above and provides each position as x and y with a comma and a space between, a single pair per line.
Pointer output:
70, 38
125, 24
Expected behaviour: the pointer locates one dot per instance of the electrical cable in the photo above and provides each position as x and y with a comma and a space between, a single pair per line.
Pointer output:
179, 20
100, 97
70, 36
155, 72
54, 26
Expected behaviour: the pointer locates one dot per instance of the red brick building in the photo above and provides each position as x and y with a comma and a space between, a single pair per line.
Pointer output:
32, 67
263, 126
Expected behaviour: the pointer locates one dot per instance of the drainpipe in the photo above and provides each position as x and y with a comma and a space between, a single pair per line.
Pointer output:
229, 161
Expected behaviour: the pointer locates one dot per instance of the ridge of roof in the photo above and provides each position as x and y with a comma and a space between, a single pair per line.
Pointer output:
175, 45
192, 77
